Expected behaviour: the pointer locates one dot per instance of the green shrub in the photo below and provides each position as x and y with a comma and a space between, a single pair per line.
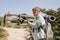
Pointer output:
17, 26
1, 20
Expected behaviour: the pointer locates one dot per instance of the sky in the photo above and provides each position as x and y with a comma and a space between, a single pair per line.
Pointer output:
25, 6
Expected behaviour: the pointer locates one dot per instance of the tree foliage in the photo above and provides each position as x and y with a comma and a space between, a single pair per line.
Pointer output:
56, 24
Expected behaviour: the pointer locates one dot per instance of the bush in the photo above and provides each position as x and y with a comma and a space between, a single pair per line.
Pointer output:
3, 34
50, 39
1, 20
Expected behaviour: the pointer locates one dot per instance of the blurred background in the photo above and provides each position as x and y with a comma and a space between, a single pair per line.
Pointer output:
24, 7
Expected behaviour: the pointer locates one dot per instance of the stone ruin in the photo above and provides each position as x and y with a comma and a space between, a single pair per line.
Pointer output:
13, 18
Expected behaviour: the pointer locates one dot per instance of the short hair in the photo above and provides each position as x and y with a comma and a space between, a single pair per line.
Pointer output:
36, 8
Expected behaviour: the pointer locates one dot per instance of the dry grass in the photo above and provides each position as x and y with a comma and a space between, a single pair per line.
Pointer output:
3, 34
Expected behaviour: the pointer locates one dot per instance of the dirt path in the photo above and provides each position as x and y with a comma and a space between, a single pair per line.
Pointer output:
17, 34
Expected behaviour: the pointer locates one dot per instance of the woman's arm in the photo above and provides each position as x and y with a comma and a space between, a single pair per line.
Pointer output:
32, 25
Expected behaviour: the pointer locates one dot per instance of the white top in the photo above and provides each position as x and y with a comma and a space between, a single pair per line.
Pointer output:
39, 20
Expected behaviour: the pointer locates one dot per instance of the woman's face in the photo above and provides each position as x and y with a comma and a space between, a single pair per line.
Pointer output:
35, 12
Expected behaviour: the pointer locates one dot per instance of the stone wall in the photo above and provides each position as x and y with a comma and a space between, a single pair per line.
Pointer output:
8, 18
